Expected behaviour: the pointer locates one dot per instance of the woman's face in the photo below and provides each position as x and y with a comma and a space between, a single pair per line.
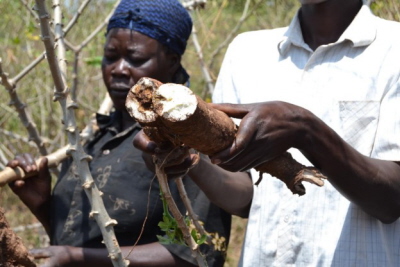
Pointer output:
311, 2
129, 56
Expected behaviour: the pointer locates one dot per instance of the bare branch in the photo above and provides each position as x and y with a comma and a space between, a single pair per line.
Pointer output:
206, 73
30, 9
76, 17
3, 160
193, 216
79, 156
22, 113
193, 4
18, 137
28, 68
228, 39
98, 29
78, 49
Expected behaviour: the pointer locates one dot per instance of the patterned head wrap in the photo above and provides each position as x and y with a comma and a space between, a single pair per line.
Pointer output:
166, 21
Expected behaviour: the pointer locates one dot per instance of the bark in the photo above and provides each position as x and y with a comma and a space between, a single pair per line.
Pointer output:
12, 251
172, 114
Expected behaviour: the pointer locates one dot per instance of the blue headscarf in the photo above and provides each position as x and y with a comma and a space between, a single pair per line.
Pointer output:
166, 21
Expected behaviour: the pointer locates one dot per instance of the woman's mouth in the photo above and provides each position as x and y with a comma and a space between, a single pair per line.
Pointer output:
119, 90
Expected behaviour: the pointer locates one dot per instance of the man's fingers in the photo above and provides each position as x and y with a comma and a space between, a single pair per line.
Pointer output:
232, 110
243, 137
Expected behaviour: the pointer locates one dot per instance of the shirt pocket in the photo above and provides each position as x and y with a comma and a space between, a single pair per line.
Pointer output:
359, 123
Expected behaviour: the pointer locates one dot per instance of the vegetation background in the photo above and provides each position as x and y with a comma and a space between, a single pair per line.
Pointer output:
20, 44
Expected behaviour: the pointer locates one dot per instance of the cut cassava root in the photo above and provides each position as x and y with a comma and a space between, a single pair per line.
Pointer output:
173, 114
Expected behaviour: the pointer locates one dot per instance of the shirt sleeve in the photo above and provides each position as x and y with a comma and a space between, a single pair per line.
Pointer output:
387, 141
216, 221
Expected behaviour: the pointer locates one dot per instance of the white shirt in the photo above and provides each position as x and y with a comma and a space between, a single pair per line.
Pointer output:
353, 86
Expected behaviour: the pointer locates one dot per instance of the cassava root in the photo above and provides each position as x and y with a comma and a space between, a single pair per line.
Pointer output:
13, 253
173, 114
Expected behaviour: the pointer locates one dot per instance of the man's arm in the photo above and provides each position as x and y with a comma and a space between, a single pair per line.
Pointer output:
372, 184
268, 129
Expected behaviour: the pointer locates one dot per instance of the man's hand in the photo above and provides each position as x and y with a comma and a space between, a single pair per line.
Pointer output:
266, 131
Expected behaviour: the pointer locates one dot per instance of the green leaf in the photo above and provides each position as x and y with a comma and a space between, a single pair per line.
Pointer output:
94, 61
202, 240
16, 40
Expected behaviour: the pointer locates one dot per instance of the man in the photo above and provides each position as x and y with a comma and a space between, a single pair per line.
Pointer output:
337, 69
332, 79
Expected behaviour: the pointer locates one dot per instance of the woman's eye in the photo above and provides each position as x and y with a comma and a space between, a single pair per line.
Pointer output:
110, 55
136, 61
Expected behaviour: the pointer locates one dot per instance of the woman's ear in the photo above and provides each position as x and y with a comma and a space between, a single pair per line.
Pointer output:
174, 63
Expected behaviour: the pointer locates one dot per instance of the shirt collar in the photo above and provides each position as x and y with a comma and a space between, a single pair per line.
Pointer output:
361, 32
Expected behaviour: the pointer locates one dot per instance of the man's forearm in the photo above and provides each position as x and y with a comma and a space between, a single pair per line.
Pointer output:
372, 184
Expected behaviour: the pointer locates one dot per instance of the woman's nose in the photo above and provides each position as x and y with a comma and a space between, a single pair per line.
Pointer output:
121, 68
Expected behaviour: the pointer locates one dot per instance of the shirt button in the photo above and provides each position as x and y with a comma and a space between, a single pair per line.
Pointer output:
106, 152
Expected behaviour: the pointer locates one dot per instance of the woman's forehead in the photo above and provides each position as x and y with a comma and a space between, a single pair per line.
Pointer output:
129, 37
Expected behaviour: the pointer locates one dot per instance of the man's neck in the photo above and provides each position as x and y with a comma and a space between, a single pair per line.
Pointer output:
324, 23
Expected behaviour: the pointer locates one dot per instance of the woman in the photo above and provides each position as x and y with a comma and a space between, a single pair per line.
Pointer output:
144, 38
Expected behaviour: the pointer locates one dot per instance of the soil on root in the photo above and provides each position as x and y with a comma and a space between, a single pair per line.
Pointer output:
12, 252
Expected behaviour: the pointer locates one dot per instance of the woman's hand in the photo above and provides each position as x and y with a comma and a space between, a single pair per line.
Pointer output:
35, 191
58, 256
150, 149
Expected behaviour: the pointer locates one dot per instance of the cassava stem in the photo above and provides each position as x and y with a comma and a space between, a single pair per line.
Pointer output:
173, 113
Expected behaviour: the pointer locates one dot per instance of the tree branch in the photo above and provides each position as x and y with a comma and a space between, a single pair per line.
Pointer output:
22, 113
79, 156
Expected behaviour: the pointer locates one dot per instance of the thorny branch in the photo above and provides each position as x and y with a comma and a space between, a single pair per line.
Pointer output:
22, 113
79, 156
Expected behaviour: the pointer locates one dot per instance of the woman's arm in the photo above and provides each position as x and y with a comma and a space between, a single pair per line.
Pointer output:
148, 255
231, 191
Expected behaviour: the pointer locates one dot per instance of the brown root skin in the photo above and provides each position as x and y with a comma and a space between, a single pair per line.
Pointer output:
291, 172
12, 252
208, 131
